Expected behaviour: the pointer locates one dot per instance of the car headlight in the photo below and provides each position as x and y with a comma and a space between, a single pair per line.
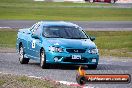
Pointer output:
55, 49
93, 51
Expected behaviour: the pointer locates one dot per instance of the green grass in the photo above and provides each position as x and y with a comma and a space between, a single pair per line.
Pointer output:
113, 43
2, 82
29, 10
110, 43
15, 81
7, 38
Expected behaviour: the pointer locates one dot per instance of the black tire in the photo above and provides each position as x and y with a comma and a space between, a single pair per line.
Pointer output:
92, 66
81, 80
43, 64
22, 60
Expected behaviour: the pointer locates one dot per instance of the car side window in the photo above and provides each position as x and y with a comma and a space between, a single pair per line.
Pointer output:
32, 28
36, 30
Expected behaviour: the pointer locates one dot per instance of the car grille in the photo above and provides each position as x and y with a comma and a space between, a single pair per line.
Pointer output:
76, 50
68, 59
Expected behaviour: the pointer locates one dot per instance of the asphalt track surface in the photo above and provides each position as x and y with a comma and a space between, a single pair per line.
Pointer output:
107, 65
86, 25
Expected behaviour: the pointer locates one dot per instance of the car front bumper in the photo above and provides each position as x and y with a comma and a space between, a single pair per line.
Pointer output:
66, 58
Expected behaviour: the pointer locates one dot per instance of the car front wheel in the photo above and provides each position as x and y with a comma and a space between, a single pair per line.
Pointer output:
22, 60
43, 59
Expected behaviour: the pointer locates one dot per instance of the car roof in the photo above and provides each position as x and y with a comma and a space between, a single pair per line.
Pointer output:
58, 23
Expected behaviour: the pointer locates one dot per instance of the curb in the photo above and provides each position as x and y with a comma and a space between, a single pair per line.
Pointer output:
72, 84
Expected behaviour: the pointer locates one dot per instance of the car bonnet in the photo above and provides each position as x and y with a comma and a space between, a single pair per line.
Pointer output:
72, 43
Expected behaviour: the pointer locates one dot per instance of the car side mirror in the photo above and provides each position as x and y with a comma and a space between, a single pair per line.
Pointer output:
92, 38
35, 36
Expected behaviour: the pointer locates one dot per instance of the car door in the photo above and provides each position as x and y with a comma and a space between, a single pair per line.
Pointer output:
34, 43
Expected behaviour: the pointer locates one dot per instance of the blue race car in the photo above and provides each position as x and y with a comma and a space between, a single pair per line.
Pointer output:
56, 42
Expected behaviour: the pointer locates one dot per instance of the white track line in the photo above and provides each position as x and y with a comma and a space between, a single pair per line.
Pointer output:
74, 84
5, 27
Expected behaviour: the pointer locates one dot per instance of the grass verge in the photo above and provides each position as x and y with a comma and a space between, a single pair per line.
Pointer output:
13, 81
30, 10
8, 38
110, 43
113, 43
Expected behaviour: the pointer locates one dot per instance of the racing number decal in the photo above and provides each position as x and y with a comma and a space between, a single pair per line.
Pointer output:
33, 43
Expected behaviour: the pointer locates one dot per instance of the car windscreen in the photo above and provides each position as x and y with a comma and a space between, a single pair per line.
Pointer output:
70, 32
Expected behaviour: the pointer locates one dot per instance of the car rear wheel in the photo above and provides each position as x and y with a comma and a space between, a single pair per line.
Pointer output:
43, 59
92, 66
22, 60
